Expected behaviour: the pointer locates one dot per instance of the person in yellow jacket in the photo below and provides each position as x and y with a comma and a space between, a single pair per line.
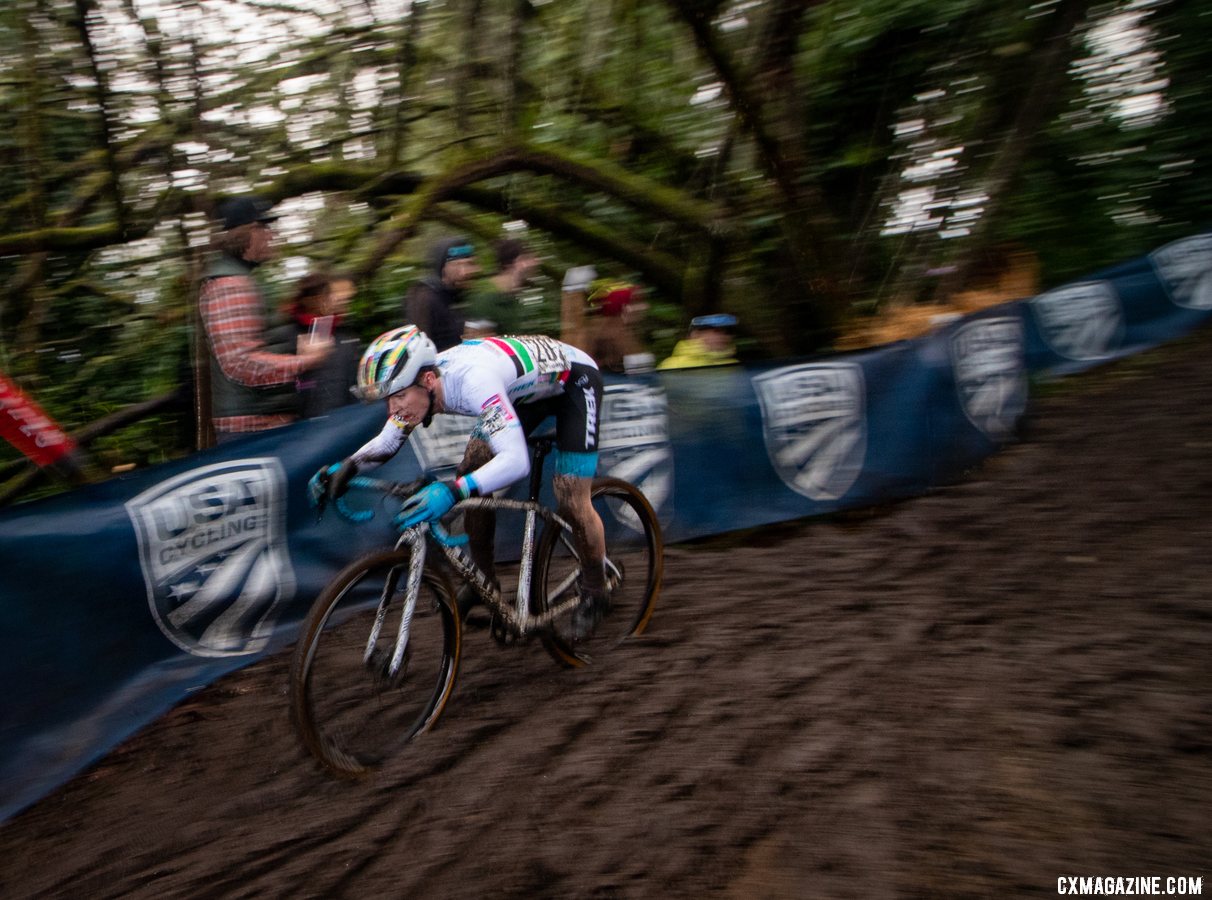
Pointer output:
709, 343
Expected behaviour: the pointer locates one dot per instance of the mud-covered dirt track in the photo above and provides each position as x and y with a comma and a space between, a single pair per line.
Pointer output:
967, 694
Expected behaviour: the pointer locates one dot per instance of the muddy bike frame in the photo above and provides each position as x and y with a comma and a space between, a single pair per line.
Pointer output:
514, 620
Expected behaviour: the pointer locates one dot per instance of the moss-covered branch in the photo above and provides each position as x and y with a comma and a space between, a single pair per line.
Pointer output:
655, 199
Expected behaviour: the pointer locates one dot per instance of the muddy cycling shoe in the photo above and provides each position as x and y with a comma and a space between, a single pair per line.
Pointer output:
594, 606
472, 610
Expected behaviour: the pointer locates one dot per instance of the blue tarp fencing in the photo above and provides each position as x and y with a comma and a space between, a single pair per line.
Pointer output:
119, 599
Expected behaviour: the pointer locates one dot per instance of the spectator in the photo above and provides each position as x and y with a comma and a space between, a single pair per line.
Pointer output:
495, 305
252, 386
573, 302
709, 343
434, 304
316, 312
615, 311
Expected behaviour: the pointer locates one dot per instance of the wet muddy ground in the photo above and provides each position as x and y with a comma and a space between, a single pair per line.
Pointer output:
971, 693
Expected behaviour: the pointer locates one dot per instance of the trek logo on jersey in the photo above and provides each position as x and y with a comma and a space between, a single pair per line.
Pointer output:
1185, 268
1080, 321
441, 445
213, 552
633, 444
814, 423
990, 374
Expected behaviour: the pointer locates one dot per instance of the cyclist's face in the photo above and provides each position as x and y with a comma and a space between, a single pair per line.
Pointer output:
409, 405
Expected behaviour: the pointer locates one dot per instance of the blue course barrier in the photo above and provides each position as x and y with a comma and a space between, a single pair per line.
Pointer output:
120, 599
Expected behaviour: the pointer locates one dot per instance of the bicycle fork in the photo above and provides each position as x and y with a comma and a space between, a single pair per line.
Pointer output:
416, 565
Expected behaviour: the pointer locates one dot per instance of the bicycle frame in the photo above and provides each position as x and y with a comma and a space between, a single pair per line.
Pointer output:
518, 618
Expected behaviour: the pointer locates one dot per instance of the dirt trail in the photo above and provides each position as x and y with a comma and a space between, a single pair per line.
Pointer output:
968, 694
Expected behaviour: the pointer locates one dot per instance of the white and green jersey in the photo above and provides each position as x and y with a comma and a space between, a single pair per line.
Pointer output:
488, 378
525, 369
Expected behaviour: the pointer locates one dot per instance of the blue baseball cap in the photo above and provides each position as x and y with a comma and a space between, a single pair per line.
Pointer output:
715, 320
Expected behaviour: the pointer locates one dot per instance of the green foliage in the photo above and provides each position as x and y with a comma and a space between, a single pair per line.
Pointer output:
754, 155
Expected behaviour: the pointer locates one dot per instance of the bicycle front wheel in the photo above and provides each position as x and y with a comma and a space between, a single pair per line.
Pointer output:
634, 565
357, 692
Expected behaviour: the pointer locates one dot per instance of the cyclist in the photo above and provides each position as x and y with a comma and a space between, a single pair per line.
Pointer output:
511, 384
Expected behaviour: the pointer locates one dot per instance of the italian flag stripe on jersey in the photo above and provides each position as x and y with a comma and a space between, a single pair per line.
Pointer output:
515, 350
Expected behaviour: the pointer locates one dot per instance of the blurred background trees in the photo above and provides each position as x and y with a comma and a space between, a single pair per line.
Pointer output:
796, 162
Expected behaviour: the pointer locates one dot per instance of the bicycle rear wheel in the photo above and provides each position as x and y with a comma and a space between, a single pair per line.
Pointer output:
635, 560
350, 708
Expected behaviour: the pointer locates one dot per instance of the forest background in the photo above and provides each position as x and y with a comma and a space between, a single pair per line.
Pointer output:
809, 165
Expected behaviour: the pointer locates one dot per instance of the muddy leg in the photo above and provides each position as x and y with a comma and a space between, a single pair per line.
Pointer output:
481, 524
572, 495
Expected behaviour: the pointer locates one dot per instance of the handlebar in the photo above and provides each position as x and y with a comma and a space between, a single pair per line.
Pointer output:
401, 490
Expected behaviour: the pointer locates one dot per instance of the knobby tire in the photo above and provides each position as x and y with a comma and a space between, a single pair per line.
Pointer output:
350, 713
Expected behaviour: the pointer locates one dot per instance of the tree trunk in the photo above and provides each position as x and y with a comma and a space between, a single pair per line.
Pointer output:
1048, 65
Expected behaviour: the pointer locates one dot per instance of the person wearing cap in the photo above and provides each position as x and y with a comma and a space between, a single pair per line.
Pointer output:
709, 343
615, 311
494, 305
434, 304
252, 385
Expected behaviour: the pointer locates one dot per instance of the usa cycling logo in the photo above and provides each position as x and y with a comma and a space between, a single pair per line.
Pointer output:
1185, 268
212, 547
987, 357
815, 426
1080, 321
633, 443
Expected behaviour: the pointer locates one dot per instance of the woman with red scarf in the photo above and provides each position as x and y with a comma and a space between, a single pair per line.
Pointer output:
317, 311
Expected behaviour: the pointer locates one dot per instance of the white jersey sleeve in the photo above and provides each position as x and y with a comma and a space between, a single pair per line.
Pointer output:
384, 445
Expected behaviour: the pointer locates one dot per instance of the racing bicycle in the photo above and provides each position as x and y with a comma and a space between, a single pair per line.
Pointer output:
379, 649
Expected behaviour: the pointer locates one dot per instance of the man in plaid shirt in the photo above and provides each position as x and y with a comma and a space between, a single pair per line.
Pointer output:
252, 384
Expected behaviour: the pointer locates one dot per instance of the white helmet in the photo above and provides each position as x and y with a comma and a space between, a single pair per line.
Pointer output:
393, 361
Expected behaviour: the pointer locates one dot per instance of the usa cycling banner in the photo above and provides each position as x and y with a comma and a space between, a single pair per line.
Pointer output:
119, 599
1122, 310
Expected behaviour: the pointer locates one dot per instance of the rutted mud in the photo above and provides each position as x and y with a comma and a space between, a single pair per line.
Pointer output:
971, 693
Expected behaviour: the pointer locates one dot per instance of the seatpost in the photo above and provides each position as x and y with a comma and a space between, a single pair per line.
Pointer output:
538, 453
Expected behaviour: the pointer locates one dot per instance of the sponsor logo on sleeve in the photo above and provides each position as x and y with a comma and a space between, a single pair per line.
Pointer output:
495, 417
213, 551
990, 375
633, 443
1185, 269
1080, 321
814, 423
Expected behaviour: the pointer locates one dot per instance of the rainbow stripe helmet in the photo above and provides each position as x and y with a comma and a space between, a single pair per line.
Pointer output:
393, 361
